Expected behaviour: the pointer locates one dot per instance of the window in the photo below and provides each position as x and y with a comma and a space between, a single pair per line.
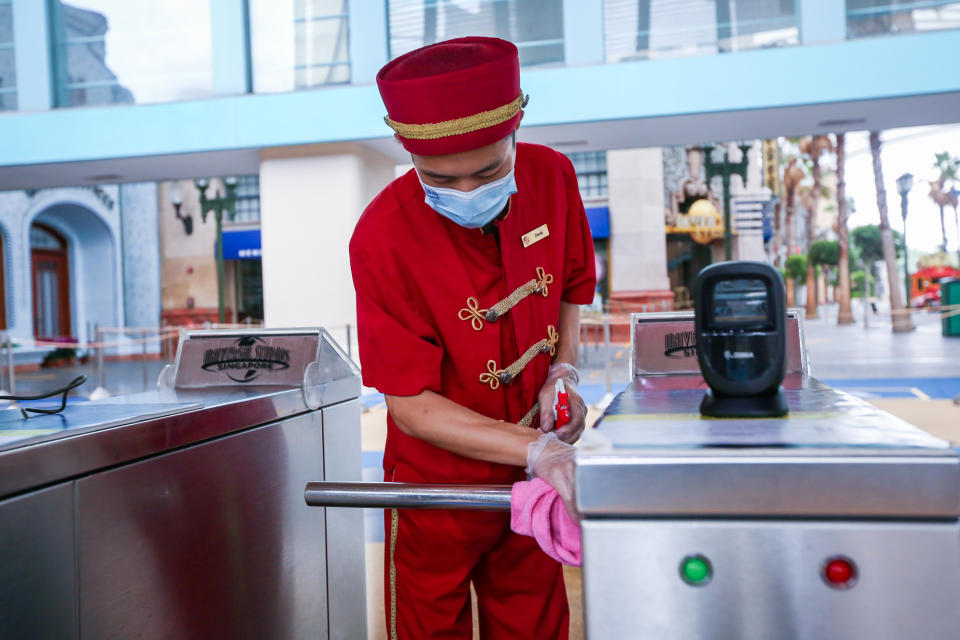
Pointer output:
248, 200
591, 168
299, 44
879, 17
8, 68
118, 51
43, 237
647, 29
535, 26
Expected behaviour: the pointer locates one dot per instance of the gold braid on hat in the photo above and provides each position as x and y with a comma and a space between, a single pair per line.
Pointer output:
459, 126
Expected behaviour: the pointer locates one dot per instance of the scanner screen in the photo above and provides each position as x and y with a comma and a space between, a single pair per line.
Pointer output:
740, 303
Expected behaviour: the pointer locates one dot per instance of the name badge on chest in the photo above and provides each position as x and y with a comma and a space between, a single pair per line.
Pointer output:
535, 236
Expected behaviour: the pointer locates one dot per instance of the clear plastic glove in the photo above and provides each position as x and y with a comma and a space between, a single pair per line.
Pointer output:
552, 461
571, 431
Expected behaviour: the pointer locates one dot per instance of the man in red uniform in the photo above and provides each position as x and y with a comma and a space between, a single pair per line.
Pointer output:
469, 270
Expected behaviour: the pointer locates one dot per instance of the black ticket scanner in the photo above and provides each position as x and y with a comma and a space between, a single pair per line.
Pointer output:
740, 324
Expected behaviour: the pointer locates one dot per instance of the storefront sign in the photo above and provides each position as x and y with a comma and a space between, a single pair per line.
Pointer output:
242, 244
703, 222
599, 220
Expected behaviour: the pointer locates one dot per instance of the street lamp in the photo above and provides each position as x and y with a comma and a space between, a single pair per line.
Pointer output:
176, 198
218, 205
725, 168
904, 184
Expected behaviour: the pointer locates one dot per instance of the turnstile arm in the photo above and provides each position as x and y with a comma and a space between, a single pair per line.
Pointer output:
398, 495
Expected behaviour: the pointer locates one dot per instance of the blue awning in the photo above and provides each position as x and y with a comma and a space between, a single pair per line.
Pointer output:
242, 244
599, 219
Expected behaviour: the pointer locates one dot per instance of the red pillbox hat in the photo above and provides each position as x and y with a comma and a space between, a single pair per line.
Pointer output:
454, 95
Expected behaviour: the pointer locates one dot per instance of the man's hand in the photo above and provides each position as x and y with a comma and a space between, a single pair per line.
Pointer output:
552, 461
571, 431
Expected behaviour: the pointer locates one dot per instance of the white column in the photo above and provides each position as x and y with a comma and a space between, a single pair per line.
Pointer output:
369, 32
822, 21
638, 250
32, 47
231, 47
583, 32
310, 200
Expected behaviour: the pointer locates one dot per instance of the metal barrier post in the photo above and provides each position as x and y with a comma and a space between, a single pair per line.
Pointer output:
3, 345
101, 391
866, 303
607, 365
101, 377
8, 345
606, 345
584, 340
143, 351
13, 374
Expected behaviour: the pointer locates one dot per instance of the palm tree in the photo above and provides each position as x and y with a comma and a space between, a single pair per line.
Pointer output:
944, 192
792, 175
814, 148
845, 314
901, 318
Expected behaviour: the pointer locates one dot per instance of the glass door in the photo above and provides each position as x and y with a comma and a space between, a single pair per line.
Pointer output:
51, 285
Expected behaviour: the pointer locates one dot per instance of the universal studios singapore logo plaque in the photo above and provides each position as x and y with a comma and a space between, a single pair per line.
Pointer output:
235, 358
246, 359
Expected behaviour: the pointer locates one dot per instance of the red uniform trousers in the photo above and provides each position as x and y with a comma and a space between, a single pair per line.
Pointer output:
428, 570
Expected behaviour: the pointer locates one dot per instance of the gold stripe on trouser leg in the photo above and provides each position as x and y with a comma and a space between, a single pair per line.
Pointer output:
394, 525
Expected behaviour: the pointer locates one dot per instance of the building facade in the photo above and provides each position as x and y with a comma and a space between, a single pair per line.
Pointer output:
284, 90
75, 258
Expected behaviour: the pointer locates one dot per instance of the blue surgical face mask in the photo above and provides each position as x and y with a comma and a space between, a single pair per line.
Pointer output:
472, 209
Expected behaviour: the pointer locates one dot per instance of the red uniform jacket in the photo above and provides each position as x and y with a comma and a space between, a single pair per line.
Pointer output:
414, 273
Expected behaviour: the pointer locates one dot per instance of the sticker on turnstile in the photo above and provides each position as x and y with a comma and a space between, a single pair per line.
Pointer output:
240, 359
663, 346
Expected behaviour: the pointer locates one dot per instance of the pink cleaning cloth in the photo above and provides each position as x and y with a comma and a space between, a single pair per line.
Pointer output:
537, 510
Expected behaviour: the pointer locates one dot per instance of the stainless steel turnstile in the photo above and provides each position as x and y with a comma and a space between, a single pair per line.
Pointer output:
179, 513
731, 529
765, 506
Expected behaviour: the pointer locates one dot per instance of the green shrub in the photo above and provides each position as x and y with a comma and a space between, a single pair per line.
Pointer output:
856, 285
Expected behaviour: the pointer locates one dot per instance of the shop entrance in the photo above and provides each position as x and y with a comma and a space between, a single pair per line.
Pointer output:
50, 270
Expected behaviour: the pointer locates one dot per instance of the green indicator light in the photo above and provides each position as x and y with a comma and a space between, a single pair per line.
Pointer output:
695, 570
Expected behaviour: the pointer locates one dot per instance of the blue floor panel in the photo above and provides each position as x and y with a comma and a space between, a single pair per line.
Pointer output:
935, 388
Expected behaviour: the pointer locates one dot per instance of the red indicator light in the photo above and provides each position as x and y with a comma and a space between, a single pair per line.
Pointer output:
840, 573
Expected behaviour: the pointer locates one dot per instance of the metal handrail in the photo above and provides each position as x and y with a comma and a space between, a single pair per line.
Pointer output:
399, 495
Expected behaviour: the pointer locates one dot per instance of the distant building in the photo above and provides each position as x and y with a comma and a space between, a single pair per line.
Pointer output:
281, 93
77, 257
